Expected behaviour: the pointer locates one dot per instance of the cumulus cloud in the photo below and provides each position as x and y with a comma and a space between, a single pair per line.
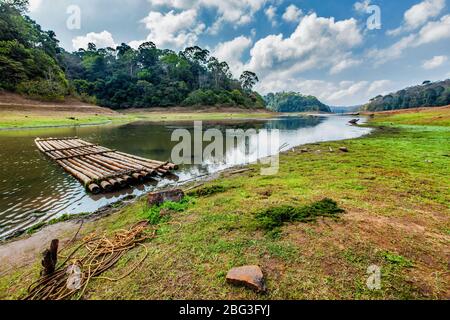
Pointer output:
34, 5
316, 43
101, 40
231, 52
271, 13
418, 15
344, 64
238, 12
363, 6
292, 13
172, 30
434, 62
431, 32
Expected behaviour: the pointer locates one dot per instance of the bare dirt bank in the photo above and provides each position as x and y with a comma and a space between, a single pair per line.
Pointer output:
16, 103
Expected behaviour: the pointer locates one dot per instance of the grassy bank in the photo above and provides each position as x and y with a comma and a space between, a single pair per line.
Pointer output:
10, 120
393, 186
16, 115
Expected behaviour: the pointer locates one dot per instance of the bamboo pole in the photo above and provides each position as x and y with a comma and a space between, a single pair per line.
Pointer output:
90, 163
174, 166
92, 187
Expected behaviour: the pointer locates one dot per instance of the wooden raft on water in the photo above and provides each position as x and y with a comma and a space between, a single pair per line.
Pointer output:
99, 168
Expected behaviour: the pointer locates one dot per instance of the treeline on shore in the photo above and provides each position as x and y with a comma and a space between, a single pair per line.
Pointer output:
429, 94
294, 102
33, 64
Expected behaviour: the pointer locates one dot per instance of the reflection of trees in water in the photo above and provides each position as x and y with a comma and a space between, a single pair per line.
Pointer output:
244, 125
153, 140
294, 123
282, 123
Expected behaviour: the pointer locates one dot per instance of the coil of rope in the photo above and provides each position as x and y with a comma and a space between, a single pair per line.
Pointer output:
74, 274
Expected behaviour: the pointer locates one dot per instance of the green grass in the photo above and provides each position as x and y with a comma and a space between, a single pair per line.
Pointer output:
158, 214
275, 217
17, 120
208, 191
64, 217
432, 117
392, 184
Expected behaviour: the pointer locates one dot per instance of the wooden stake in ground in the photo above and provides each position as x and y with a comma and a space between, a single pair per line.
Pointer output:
50, 258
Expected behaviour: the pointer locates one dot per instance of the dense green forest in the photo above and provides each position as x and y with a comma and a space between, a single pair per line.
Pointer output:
294, 102
429, 94
33, 64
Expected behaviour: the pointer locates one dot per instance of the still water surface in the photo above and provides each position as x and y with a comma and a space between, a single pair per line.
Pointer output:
34, 189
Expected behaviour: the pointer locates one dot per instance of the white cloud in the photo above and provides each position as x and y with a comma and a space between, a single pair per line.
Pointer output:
135, 44
418, 15
271, 13
316, 43
292, 14
363, 6
238, 12
34, 5
344, 64
101, 40
231, 52
340, 93
433, 31
434, 62
173, 30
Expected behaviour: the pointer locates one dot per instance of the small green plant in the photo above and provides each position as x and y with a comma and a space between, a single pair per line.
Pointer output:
64, 217
397, 260
208, 191
159, 214
35, 228
272, 218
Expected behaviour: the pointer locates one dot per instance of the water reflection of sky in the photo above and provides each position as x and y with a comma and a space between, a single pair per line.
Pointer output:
33, 189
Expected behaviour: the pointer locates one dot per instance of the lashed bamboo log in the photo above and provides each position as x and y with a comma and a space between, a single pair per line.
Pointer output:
95, 165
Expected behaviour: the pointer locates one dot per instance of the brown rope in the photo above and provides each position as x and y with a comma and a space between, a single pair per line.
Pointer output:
102, 253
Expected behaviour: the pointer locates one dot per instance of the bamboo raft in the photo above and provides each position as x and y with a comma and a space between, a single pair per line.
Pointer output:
98, 168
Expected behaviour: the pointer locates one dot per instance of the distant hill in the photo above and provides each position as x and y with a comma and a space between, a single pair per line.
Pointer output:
345, 109
428, 94
294, 102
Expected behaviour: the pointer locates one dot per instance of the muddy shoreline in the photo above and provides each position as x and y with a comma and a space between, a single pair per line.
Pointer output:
21, 248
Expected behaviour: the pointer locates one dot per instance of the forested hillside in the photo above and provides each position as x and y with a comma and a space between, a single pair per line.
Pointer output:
29, 55
429, 94
294, 102
33, 64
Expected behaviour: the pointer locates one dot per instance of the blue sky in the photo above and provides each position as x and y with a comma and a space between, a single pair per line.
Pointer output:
325, 48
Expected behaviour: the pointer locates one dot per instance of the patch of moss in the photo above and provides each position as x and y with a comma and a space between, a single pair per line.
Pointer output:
159, 214
208, 191
64, 217
275, 217
397, 260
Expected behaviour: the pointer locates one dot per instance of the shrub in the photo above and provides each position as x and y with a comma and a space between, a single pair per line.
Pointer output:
208, 191
43, 89
154, 213
275, 217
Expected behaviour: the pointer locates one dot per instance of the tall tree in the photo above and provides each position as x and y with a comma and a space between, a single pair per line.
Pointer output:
248, 80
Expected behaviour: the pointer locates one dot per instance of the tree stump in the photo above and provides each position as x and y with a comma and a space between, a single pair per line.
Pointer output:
158, 198
50, 258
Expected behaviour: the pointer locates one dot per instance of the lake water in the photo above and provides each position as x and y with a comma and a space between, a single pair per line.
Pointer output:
34, 188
